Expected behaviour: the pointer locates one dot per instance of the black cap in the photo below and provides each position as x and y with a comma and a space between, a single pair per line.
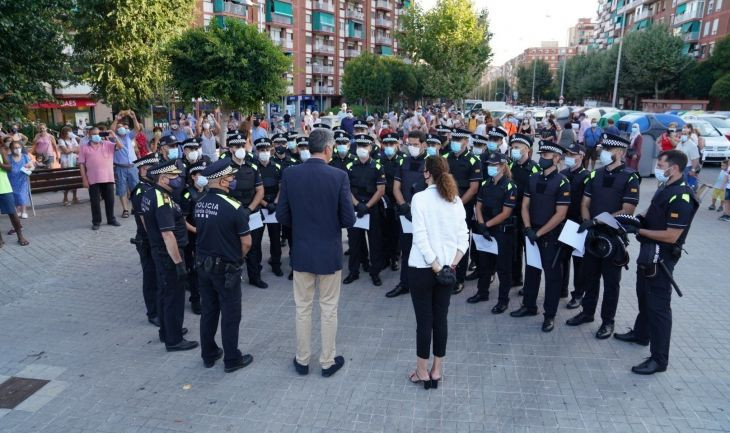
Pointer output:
614, 141
149, 159
302, 141
363, 140
443, 129
359, 124
460, 133
164, 168
521, 138
433, 139
237, 140
279, 138
390, 137
479, 139
575, 148
496, 158
497, 132
320, 125
191, 142
220, 168
549, 146
262, 142
168, 140
341, 136
291, 136
198, 166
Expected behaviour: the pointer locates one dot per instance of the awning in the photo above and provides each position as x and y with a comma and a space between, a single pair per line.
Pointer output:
65, 103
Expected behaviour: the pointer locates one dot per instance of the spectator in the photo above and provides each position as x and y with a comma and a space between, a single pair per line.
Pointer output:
155, 141
7, 201
264, 124
633, 153
258, 131
17, 135
718, 188
287, 120
307, 121
125, 173
97, 173
583, 125
69, 148
698, 138
669, 140
141, 143
611, 127
567, 136
472, 123
525, 128
689, 147
175, 131
591, 139
481, 126
207, 132
44, 147
347, 121
20, 167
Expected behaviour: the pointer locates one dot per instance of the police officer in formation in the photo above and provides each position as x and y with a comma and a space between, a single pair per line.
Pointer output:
342, 156
167, 233
141, 240
367, 184
193, 191
223, 241
496, 136
391, 158
271, 177
613, 188
281, 154
544, 207
662, 231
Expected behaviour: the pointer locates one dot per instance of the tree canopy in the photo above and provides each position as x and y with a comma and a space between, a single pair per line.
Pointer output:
366, 78
543, 81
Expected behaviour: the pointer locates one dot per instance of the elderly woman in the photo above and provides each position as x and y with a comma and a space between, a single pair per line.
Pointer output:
69, 148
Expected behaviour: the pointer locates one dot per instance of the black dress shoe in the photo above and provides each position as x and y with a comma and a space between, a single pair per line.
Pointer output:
472, 266
499, 308
350, 278
604, 331
339, 362
211, 362
524, 311
182, 345
473, 276
182, 332
291, 275
397, 291
114, 223
630, 337
395, 265
303, 370
276, 270
376, 280
648, 367
579, 319
548, 324
195, 306
259, 283
458, 288
95, 227
154, 320
574, 302
244, 361
477, 298
347, 252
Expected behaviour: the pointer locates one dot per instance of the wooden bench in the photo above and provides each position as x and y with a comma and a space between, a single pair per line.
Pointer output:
55, 179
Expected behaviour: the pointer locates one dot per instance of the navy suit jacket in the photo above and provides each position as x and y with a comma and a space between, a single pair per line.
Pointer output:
315, 201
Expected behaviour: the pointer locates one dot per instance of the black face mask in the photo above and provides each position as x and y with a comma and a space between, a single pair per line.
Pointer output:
545, 163
15, 129
280, 150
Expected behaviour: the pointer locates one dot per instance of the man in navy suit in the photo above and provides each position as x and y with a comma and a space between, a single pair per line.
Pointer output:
315, 201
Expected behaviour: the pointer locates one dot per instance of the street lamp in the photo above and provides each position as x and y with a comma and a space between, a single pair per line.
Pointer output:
618, 61
534, 68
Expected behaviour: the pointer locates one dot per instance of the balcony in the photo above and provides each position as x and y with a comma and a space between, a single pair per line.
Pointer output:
324, 90
284, 44
688, 16
279, 19
383, 22
354, 14
233, 8
383, 40
382, 4
644, 14
329, 7
324, 48
323, 69
289, 90
691, 36
354, 34
352, 52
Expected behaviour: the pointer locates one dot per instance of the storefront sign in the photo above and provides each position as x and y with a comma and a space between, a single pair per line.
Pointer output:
65, 103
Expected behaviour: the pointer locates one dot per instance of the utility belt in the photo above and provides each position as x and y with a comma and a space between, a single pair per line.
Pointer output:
217, 265
653, 257
140, 242
506, 226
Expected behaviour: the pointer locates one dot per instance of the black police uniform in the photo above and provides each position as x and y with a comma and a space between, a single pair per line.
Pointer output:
271, 177
520, 176
577, 178
142, 243
247, 179
365, 177
220, 221
410, 176
189, 197
162, 214
342, 163
465, 168
546, 193
673, 206
492, 198
391, 223
608, 190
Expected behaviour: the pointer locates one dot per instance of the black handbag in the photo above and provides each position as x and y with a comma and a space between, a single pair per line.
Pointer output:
446, 277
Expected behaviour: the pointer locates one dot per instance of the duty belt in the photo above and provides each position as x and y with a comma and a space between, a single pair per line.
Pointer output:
217, 265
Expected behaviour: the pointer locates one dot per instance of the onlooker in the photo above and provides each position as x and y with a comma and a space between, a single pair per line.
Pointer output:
726, 203
567, 136
97, 173
591, 139
20, 167
69, 148
689, 147
7, 202
718, 188
125, 174
141, 143
347, 121
611, 127
669, 140
633, 153
17, 135
258, 131
175, 130
44, 147
208, 132
584, 124
155, 141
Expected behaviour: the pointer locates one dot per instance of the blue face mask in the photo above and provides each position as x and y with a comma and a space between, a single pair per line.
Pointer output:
516, 154
176, 183
606, 158
122, 131
173, 153
660, 175
455, 146
342, 149
431, 151
477, 151
569, 161
96, 138
389, 151
232, 184
492, 170
492, 146
291, 145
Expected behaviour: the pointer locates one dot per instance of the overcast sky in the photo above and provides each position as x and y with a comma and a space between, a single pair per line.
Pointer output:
520, 24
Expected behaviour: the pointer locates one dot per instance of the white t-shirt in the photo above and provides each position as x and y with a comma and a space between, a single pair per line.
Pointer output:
690, 149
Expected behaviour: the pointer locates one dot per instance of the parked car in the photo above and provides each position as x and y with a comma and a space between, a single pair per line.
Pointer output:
721, 123
717, 146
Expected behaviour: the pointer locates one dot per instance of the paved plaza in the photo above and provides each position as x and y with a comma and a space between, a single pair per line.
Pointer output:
72, 313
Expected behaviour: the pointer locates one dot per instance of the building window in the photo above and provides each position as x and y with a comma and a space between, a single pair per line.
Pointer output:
707, 28
714, 25
718, 5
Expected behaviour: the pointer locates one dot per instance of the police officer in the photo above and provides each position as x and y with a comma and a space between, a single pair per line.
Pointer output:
408, 180
613, 188
343, 157
467, 171
141, 241
662, 234
494, 212
577, 176
391, 158
248, 188
479, 149
496, 135
303, 148
271, 177
434, 145
168, 149
544, 207
167, 234
192, 154
291, 147
522, 167
281, 156
444, 136
192, 193
367, 184
223, 242
359, 128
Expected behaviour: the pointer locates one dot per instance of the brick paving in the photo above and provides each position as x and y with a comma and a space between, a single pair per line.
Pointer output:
72, 312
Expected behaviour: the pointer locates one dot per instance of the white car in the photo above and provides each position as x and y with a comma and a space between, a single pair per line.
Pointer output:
720, 123
717, 146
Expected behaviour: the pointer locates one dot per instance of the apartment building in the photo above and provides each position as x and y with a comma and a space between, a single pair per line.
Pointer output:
321, 36
548, 51
580, 35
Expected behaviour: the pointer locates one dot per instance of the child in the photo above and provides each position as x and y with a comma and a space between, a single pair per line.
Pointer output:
726, 204
718, 189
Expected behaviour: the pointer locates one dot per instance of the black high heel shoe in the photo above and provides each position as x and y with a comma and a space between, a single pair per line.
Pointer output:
435, 382
415, 379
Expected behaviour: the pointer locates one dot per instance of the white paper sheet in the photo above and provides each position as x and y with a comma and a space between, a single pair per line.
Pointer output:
269, 218
406, 225
484, 245
255, 221
532, 254
362, 223
570, 236
577, 253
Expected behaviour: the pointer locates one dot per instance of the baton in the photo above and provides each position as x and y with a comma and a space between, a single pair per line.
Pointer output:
557, 255
669, 274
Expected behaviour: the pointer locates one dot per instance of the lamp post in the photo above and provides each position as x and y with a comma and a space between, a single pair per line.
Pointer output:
534, 69
618, 61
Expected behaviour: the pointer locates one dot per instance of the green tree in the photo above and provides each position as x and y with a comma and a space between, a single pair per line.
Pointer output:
543, 79
236, 65
453, 39
120, 43
698, 79
721, 91
402, 76
32, 47
366, 78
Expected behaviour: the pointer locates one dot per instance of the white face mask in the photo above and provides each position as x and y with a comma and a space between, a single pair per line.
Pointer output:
240, 153
17, 151
192, 155
264, 156
606, 157
414, 151
201, 181
206, 125
362, 153
304, 154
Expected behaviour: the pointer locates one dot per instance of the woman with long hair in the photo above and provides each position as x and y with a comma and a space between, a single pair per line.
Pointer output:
440, 239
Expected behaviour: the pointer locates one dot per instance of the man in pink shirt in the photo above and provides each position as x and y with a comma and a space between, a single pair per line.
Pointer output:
96, 161
585, 124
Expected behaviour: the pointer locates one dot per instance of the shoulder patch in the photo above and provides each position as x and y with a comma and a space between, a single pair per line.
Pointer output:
232, 201
186, 194
473, 160
348, 165
535, 169
377, 165
276, 164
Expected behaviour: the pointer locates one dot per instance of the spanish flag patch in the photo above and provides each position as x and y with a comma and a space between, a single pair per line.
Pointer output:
634, 190
674, 215
566, 193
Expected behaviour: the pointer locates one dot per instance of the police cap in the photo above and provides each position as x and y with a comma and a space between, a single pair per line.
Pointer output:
433, 139
168, 140
363, 140
149, 159
302, 141
497, 133
165, 167
495, 158
522, 139
279, 138
390, 138
575, 149
549, 146
262, 142
341, 136
198, 166
479, 139
320, 125
220, 168
236, 140
613, 141
359, 124
191, 142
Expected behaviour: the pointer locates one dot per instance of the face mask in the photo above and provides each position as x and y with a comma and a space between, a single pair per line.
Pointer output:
492, 170
176, 183
684, 138
280, 150
362, 153
660, 175
15, 129
342, 149
240, 153
173, 153
606, 158
264, 156
569, 162
545, 163
174, 127
431, 151
232, 184
492, 146
349, 115
593, 125
304, 154
516, 154
206, 125
291, 145
414, 151
96, 138
455, 146
477, 151
201, 181
122, 131
192, 155
17, 151
389, 151
158, 134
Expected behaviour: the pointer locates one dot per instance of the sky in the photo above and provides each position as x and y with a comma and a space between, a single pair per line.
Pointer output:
520, 24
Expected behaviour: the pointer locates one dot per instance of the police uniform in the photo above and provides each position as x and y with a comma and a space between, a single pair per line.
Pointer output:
496, 135
391, 224
221, 222
162, 214
194, 144
171, 142
673, 206
341, 160
479, 149
189, 197
520, 175
546, 192
247, 181
577, 176
271, 177
492, 199
142, 243
444, 135
608, 191
365, 179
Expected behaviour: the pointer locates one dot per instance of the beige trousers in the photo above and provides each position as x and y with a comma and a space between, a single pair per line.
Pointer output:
329, 297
